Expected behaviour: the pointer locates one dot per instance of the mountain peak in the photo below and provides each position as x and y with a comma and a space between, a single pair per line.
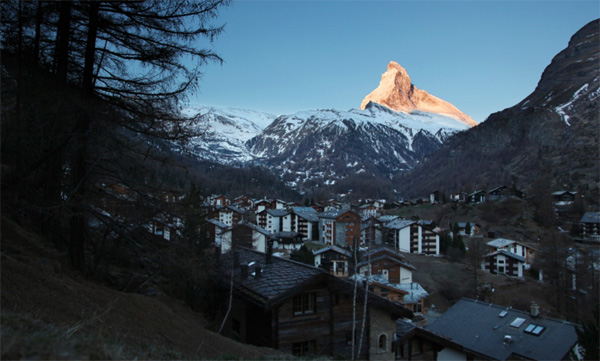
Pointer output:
397, 92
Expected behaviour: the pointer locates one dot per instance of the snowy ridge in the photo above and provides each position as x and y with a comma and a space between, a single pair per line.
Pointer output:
323, 145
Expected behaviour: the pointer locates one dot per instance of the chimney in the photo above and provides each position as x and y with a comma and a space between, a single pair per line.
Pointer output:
244, 271
257, 272
535, 309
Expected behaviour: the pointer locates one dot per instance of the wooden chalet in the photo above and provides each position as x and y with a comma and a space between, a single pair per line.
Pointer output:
303, 310
335, 260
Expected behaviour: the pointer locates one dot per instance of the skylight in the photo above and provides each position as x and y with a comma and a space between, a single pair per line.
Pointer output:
535, 330
517, 322
502, 314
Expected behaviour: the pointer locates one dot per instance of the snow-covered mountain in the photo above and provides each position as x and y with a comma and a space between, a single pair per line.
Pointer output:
397, 92
226, 132
322, 147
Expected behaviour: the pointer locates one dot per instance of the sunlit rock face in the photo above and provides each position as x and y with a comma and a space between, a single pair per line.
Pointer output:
397, 92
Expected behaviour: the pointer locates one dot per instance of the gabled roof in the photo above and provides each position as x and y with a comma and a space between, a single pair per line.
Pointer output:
480, 327
413, 292
501, 242
217, 223
507, 254
278, 212
332, 248
303, 210
309, 216
335, 213
283, 278
590, 217
395, 260
399, 223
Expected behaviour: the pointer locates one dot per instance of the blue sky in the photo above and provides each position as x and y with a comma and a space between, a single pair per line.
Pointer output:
483, 56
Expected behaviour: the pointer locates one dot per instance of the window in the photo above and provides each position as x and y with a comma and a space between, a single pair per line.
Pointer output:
303, 304
382, 343
304, 348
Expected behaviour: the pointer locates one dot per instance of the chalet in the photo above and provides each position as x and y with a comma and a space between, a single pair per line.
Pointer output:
244, 234
287, 240
218, 200
303, 310
243, 202
216, 231
334, 259
514, 247
436, 197
589, 225
563, 198
229, 215
414, 237
340, 228
262, 205
411, 295
387, 262
371, 232
476, 330
368, 210
458, 197
476, 197
473, 229
504, 262
306, 222
502, 193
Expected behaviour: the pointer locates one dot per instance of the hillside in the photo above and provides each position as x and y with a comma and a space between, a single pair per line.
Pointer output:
52, 312
552, 135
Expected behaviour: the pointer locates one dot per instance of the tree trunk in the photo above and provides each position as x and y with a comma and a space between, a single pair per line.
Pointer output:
78, 219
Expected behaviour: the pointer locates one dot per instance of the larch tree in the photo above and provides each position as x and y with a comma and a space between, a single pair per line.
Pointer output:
125, 68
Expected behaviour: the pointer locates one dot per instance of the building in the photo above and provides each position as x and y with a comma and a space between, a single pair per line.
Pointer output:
339, 228
475, 330
589, 225
334, 259
514, 247
303, 310
419, 237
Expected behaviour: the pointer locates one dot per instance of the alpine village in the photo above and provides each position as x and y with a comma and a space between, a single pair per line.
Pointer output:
129, 231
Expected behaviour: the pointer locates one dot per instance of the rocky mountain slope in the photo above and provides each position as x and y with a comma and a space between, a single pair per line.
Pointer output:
553, 134
397, 92
322, 147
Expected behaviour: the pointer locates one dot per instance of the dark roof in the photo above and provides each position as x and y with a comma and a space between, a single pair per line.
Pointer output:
333, 248
278, 212
479, 326
590, 217
309, 216
283, 278
507, 254
335, 213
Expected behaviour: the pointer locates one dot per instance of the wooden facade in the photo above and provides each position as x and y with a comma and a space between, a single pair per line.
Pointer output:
302, 310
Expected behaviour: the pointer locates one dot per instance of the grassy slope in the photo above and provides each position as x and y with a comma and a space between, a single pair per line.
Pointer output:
50, 312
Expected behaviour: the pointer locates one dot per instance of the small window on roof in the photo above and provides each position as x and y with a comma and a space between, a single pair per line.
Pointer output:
502, 314
529, 328
535, 330
517, 322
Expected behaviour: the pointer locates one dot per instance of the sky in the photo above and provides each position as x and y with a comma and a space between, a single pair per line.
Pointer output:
483, 56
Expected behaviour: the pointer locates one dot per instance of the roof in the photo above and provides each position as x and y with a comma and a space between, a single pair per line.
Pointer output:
309, 216
479, 326
500, 242
507, 254
590, 217
304, 210
277, 212
397, 260
399, 223
333, 249
335, 213
414, 291
283, 278
217, 223
560, 193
